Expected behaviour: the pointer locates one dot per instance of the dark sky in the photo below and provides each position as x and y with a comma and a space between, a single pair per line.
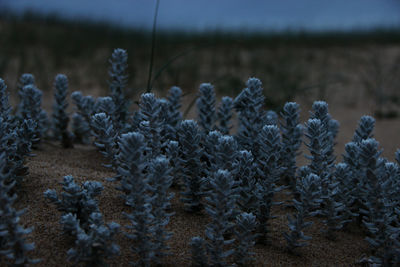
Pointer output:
227, 14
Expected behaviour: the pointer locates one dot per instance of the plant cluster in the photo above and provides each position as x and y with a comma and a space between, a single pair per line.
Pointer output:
16, 138
232, 177
60, 116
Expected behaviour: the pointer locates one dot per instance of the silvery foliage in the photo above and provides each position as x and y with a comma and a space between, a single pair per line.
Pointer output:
174, 115
209, 143
319, 145
371, 171
321, 133
15, 142
397, 156
135, 120
244, 171
172, 150
199, 255
31, 98
118, 80
16, 138
85, 105
132, 161
191, 167
351, 157
144, 129
160, 181
246, 223
42, 119
80, 129
321, 142
270, 118
309, 191
148, 217
77, 200
85, 108
13, 244
224, 115
5, 108
165, 134
94, 244
225, 153
357, 179
269, 171
343, 175
381, 202
249, 105
150, 112
206, 107
60, 116
220, 207
365, 129
105, 138
333, 211
25, 79
292, 132
141, 233
24, 133
105, 105
141, 217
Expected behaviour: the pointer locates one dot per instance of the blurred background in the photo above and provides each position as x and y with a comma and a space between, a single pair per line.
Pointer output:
345, 51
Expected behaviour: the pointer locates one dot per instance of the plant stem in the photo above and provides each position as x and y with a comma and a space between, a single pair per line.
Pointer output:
153, 45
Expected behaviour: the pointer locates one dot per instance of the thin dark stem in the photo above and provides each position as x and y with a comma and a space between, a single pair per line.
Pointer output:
153, 45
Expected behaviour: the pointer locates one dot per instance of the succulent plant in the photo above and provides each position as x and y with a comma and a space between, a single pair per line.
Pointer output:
78, 200
117, 82
206, 107
191, 168
220, 207
60, 116
224, 115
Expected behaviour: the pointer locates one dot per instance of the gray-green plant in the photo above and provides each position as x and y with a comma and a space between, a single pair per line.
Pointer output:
77, 200
85, 108
244, 171
269, 171
246, 224
292, 132
249, 105
31, 99
220, 207
224, 115
206, 108
364, 129
191, 167
60, 116
13, 244
309, 191
140, 231
105, 138
172, 152
132, 161
150, 111
174, 115
93, 245
160, 181
118, 80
